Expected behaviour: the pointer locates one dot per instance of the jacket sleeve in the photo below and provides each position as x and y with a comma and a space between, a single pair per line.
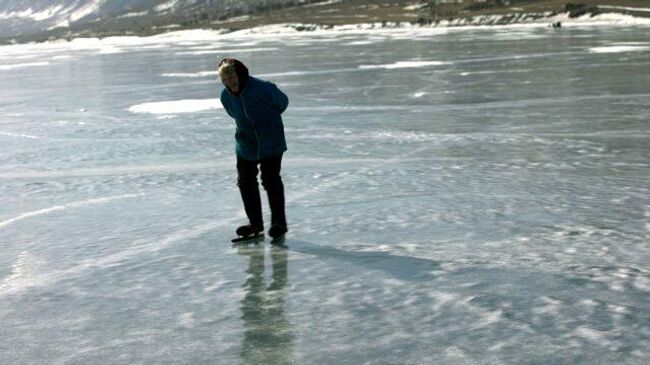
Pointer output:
224, 102
279, 99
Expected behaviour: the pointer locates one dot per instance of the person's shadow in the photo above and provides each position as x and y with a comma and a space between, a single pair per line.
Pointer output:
268, 335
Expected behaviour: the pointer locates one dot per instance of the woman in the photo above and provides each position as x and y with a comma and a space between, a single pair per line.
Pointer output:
256, 105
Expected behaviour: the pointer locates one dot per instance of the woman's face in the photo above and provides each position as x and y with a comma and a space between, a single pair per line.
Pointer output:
231, 81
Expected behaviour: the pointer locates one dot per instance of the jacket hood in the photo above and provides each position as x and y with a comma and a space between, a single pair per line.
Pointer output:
242, 73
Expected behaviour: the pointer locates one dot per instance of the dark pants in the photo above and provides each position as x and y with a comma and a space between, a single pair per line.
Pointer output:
250, 193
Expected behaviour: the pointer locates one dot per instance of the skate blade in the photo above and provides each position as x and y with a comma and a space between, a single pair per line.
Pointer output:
250, 239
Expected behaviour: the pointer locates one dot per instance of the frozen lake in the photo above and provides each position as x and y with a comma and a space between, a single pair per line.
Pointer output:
455, 196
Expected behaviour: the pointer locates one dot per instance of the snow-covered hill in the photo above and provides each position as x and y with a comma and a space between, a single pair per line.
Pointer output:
24, 19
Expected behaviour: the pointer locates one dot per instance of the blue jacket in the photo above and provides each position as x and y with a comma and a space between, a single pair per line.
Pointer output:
257, 112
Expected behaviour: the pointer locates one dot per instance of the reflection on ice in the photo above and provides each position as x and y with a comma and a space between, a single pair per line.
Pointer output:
22, 274
268, 335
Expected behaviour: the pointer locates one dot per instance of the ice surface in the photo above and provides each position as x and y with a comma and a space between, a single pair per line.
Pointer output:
486, 204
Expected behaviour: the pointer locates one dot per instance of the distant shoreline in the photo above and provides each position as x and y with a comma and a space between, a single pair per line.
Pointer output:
442, 13
386, 14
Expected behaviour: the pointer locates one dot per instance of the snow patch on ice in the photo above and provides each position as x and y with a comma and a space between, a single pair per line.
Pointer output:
186, 320
167, 116
226, 51
359, 43
176, 106
455, 352
442, 299
10, 134
551, 306
405, 64
619, 309
618, 49
108, 49
642, 283
190, 74
23, 65
592, 335
56, 208
301, 73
